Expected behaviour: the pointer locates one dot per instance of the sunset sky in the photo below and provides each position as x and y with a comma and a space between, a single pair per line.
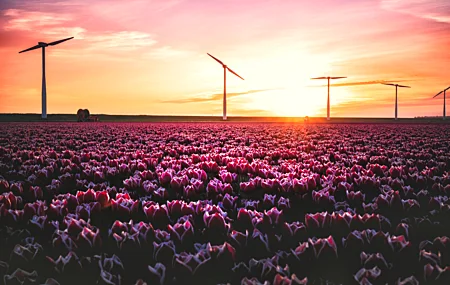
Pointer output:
149, 57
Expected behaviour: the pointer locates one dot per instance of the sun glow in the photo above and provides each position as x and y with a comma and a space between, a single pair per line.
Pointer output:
289, 92
289, 102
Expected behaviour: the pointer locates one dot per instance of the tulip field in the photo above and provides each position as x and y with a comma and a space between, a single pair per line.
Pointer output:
224, 203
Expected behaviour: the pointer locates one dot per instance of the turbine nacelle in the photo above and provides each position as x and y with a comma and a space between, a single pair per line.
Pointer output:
42, 44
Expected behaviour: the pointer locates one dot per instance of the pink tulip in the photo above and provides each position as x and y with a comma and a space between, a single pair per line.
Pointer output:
157, 213
324, 247
164, 252
103, 199
367, 276
269, 201
239, 239
283, 280
31, 209
251, 205
16, 188
118, 227
247, 187
276, 216
157, 273
395, 172
244, 219
299, 186
124, 206
161, 193
165, 178
228, 202
90, 238
215, 222
295, 231
226, 177
176, 183
189, 192
182, 233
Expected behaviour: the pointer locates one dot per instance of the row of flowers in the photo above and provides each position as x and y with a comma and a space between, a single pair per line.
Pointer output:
213, 203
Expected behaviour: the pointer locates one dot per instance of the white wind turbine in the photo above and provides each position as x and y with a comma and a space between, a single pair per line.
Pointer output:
225, 85
396, 95
44, 87
443, 91
328, 100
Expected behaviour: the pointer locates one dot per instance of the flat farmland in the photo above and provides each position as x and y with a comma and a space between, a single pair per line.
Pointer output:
224, 203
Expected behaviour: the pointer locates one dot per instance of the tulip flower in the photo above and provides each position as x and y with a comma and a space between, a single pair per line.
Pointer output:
215, 223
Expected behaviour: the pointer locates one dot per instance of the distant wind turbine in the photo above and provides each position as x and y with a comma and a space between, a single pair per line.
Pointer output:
44, 87
396, 93
328, 100
443, 91
225, 85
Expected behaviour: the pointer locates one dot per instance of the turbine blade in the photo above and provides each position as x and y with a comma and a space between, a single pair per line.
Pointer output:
234, 73
404, 86
447, 88
338, 77
58, 42
31, 48
216, 59
320, 78
438, 94
389, 84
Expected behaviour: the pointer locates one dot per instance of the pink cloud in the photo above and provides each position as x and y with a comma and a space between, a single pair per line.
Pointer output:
26, 21
435, 10
119, 41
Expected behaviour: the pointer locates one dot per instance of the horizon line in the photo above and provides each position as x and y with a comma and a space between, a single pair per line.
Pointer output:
219, 116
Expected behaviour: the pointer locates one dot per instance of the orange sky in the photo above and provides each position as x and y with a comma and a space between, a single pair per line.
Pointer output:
149, 57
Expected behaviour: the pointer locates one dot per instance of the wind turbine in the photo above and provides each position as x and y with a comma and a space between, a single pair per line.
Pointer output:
443, 91
44, 87
328, 100
396, 93
225, 85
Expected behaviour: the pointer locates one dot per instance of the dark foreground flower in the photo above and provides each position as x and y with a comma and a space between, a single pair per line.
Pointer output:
157, 274
20, 276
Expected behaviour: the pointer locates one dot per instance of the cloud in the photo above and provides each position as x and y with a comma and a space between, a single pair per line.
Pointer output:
124, 40
435, 10
215, 97
166, 52
55, 25
28, 20
61, 32
60, 25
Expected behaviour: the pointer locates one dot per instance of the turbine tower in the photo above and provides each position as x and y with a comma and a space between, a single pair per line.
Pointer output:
396, 95
44, 87
225, 85
328, 100
443, 91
